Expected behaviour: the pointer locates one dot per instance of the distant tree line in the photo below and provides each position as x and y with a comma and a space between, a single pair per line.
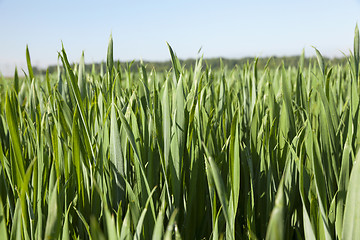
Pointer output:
215, 63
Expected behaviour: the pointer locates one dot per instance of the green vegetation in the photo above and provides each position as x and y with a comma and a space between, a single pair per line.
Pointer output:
234, 153
215, 63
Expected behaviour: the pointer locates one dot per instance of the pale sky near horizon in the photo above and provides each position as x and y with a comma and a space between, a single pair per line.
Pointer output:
140, 29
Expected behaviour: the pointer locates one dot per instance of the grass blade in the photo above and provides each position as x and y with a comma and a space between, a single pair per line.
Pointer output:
28, 61
350, 229
159, 224
276, 228
82, 77
110, 57
53, 223
175, 62
356, 52
3, 229
13, 124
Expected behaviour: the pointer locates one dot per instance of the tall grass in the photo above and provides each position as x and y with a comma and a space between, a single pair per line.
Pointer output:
241, 153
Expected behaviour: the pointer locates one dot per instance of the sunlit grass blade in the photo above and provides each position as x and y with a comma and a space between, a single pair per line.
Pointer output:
139, 226
16, 232
175, 62
347, 159
116, 155
320, 61
76, 156
220, 189
235, 162
82, 77
83, 220
53, 223
65, 230
3, 229
350, 229
23, 200
125, 229
110, 57
166, 121
28, 62
170, 226
286, 90
13, 124
110, 225
356, 53
16, 81
276, 226
159, 224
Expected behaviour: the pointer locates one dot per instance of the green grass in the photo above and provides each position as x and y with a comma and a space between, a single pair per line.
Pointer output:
241, 153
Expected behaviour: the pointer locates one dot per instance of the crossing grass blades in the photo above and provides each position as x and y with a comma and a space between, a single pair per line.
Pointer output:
191, 153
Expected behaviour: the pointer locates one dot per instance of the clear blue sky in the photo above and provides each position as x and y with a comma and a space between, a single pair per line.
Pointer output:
232, 29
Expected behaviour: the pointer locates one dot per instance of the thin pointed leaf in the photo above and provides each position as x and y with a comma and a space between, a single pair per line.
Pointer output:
28, 61
351, 222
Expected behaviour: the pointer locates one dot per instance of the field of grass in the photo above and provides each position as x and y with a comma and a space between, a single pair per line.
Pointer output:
241, 153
